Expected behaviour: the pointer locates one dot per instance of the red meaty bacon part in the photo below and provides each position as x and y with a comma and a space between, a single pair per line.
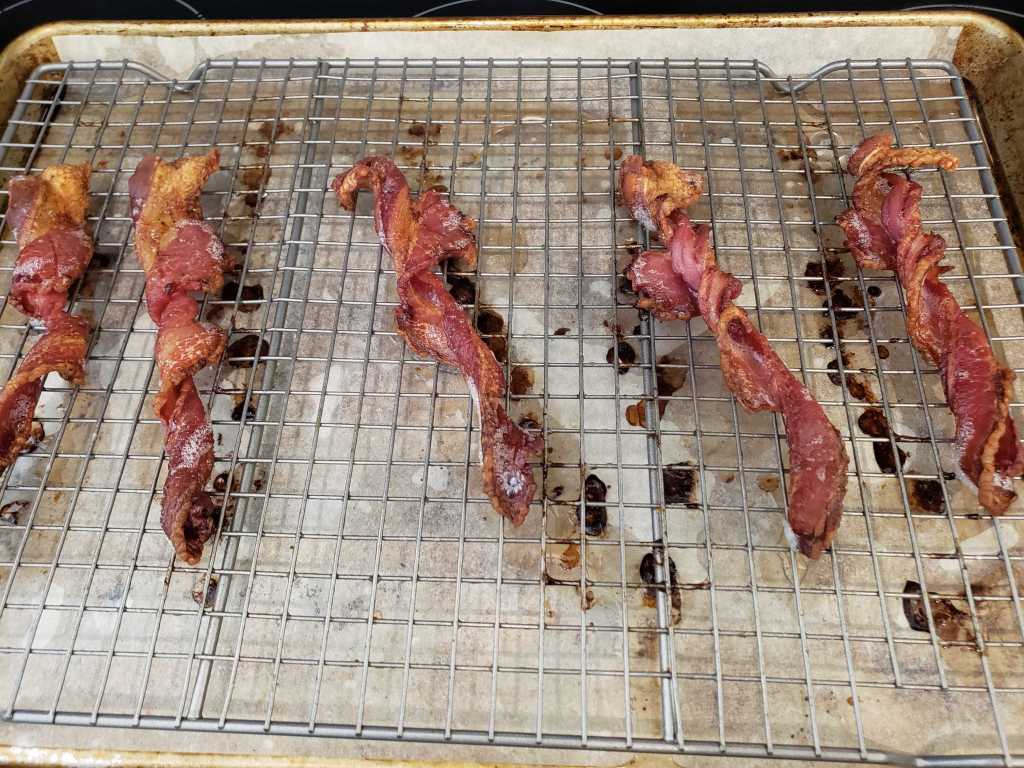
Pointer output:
419, 235
180, 254
685, 280
47, 214
883, 231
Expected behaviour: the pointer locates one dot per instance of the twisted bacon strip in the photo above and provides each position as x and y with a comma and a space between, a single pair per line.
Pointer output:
686, 280
47, 214
883, 231
418, 236
180, 253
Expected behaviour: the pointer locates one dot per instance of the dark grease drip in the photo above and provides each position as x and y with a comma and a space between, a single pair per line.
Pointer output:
248, 293
626, 356
423, 131
490, 324
561, 331
814, 270
520, 380
596, 494
462, 289
250, 410
679, 481
926, 496
489, 321
950, 622
648, 575
872, 422
246, 348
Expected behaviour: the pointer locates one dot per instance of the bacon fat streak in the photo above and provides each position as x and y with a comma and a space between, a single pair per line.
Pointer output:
883, 231
180, 254
419, 235
684, 281
47, 214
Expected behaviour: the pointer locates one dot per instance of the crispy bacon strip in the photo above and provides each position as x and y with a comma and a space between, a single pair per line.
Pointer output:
419, 235
180, 254
686, 280
47, 214
883, 231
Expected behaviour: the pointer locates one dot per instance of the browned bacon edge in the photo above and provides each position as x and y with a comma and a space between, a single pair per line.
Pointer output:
685, 280
883, 231
180, 254
419, 235
47, 214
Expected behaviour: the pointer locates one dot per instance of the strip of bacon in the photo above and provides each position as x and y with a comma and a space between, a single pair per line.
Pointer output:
180, 254
419, 235
883, 231
47, 214
686, 280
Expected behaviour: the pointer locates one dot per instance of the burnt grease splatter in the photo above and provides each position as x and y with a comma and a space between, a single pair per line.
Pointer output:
649, 575
670, 376
246, 295
950, 622
491, 326
245, 349
596, 513
680, 482
520, 380
843, 299
270, 131
462, 289
625, 357
428, 133
926, 496
240, 408
872, 422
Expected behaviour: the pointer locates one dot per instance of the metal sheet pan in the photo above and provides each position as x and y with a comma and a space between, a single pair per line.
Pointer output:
529, 148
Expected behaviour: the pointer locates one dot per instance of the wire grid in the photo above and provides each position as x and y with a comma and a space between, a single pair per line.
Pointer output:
360, 585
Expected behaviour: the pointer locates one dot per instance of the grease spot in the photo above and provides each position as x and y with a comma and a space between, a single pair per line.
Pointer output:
520, 380
462, 289
872, 422
424, 131
926, 496
679, 481
570, 557
244, 350
950, 622
626, 356
596, 495
245, 296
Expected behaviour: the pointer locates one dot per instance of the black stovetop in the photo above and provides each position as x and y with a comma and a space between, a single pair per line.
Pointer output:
16, 16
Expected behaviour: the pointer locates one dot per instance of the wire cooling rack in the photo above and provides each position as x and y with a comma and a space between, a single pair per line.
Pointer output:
360, 585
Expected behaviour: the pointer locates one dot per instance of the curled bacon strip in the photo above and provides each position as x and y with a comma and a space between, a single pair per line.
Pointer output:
883, 231
180, 254
47, 214
686, 280
419, 235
